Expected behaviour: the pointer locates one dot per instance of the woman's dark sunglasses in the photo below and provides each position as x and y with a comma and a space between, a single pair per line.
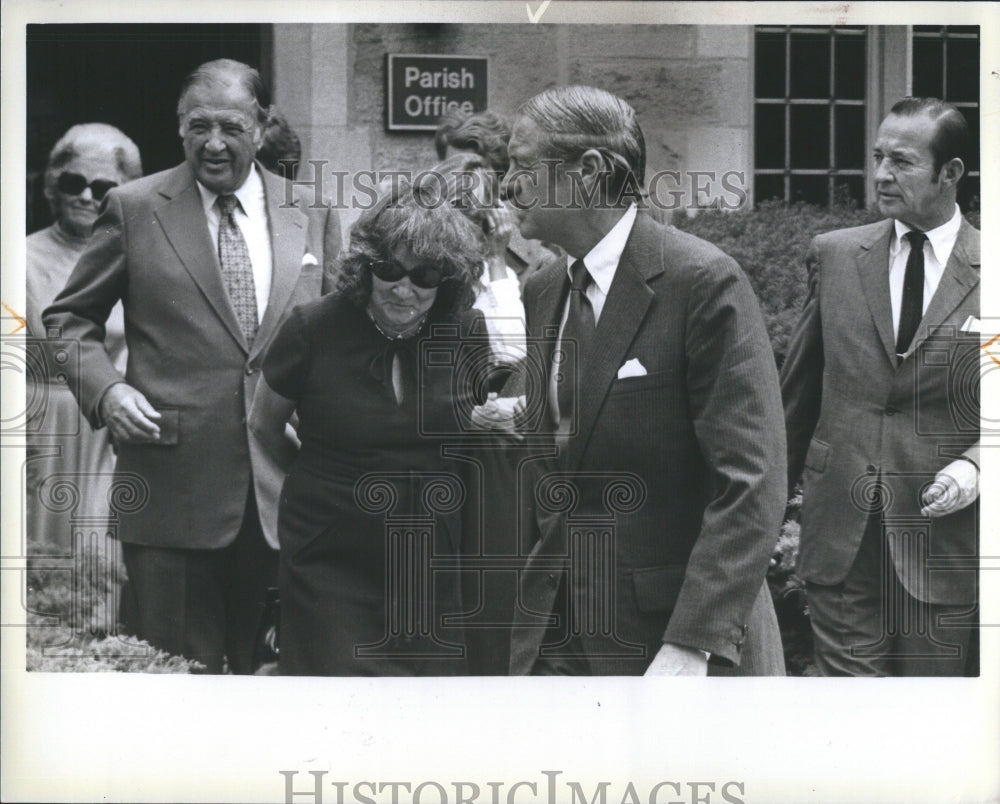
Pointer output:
75, 184
423, 276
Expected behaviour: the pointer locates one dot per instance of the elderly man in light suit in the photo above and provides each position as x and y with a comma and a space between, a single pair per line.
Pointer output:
881, 390
208, 258
677, 395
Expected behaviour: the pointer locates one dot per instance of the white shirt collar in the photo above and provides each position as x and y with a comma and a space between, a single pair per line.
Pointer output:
250, 194
942, 239
602, 260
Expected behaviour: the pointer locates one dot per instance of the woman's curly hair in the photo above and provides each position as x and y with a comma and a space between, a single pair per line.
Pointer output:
421, 218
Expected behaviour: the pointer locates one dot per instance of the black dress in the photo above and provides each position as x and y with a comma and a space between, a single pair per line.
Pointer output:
368, 515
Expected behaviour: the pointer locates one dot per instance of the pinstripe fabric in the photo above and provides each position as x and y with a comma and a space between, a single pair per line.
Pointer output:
861, 422
700, 435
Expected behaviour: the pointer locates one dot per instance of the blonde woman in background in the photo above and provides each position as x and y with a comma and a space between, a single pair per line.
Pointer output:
86, 162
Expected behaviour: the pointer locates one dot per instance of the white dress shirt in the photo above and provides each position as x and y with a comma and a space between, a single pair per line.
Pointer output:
937, 251
499, 300
251, 217
602, 262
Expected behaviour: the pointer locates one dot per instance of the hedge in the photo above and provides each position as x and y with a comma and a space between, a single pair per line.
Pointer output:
770, 244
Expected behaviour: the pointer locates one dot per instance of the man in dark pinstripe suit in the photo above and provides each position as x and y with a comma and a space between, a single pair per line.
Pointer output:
674, 426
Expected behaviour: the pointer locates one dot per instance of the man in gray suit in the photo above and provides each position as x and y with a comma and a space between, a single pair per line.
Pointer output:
673, 427
208, 258
881, 390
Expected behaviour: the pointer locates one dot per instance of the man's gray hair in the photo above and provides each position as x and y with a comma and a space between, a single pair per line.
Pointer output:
577, 118
225, 70
89, 137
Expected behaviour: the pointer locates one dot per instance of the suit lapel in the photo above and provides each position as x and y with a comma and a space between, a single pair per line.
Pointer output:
873, 269
184, 224
960, 276
628, 300
287, 226
544, 322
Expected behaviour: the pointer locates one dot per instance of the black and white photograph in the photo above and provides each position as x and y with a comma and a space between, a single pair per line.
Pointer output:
367, 366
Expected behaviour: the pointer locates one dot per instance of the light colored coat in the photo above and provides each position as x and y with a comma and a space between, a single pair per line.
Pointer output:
152, 249
856, 415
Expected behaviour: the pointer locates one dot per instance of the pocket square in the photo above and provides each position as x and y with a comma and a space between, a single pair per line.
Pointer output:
631, 368
972, 324
308, 259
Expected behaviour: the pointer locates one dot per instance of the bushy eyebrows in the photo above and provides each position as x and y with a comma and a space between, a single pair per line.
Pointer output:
897, 152
221, 115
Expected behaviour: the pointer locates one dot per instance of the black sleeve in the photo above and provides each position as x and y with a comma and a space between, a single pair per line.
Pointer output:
286, 363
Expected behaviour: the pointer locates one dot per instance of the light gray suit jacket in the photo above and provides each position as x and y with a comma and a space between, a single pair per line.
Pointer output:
152, 249
866, 430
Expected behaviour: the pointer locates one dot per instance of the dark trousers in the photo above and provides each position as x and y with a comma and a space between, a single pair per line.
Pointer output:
205, 605
869, 625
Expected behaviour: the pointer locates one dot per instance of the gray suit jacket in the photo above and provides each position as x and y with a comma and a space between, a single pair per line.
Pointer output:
867, 431
152, 249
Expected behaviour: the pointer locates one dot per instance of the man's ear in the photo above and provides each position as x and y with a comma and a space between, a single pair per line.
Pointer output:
952, 171
261, 126
591, 165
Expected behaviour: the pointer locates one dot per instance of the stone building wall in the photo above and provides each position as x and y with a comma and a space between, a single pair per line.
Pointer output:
690, 84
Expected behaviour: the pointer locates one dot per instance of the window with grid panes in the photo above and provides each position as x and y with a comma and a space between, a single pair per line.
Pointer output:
946, 66
810, 92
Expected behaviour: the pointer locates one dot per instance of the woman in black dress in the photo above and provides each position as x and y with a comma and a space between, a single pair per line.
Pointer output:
367, 521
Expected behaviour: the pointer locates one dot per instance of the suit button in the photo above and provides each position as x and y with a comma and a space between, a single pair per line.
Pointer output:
891, 411
552, 580
871, 470
250, 370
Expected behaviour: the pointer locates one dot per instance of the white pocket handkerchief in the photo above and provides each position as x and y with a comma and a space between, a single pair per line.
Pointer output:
631, 368
972, 324
308, 259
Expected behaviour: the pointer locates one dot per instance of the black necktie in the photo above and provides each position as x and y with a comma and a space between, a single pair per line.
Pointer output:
912, 309
579, 330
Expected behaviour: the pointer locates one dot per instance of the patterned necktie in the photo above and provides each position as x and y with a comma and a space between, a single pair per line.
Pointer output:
579, 329
237, 270
912, 309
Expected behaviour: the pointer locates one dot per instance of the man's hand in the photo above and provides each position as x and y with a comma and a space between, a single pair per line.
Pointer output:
675, 660
499, 414
499, 223
129, 416
955, 487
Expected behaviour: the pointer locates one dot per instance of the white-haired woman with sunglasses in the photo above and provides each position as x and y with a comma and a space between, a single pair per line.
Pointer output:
86, 162
370, 504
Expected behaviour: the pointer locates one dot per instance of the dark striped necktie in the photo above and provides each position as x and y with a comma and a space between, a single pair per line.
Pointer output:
578, 330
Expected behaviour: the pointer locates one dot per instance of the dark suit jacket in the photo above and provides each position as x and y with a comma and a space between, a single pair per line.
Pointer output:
856, 415
701, 432
151, 248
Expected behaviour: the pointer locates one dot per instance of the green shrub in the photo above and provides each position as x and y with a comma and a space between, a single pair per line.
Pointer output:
770, 244
110, 654
71, 621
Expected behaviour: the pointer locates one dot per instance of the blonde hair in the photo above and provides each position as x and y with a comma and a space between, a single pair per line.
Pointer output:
90, 137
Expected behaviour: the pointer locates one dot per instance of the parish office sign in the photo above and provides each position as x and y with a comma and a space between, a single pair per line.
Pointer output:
422, 88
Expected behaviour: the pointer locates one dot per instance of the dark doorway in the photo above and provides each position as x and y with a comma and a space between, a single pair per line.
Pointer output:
127, 75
